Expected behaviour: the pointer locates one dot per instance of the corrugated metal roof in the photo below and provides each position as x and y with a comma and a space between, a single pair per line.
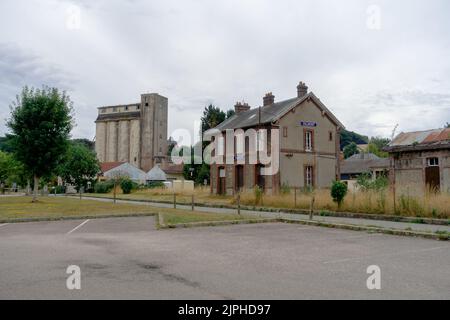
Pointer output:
429, 139
156, 174
270, 114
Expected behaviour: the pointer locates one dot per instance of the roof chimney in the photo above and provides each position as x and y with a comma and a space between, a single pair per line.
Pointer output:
302, 89
268, 99
241, 107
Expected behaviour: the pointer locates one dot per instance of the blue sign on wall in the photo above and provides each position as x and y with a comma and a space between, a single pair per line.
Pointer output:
308, 124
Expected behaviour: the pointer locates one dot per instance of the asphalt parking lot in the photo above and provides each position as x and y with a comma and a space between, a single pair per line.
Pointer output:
129, 258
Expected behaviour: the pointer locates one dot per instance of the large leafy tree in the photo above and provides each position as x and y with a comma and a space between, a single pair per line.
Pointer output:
350, 150
79, 166
41, 121
376, 145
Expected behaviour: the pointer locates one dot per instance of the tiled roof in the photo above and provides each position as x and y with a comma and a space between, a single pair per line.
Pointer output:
421, 140
106, 166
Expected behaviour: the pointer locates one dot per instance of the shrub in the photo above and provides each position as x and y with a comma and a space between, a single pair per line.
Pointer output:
155, 184
258, 195
126, 185
338, 192
285, 189
103, 187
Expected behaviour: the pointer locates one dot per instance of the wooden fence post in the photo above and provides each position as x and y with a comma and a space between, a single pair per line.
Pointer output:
192, 202
311, 209
174, 200
239, 203
295, 197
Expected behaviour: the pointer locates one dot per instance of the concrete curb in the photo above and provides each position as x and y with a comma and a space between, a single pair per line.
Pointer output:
397, 232
418, 220
218, 223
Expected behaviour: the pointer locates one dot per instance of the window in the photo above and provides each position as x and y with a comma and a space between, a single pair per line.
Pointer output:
433, 162
330, 136
285, 132
126, 107
146, 104
309, 176
309, 140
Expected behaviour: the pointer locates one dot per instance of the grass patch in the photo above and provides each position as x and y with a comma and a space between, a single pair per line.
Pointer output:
171, 218
53, 208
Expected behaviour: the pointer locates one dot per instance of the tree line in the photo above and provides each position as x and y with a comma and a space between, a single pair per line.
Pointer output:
38, 148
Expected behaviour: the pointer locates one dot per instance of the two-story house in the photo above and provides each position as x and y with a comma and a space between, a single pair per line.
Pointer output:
307, 146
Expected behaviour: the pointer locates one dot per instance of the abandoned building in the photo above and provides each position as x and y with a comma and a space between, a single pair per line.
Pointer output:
308, 145
134, 133
420, 161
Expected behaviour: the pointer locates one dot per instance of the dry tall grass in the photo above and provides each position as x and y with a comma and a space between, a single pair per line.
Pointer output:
374, 202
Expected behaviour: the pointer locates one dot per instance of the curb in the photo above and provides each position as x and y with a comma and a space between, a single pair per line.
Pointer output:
397, 232
418, 220
215, 223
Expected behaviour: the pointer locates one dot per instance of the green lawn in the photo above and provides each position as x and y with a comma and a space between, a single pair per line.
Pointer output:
52, 208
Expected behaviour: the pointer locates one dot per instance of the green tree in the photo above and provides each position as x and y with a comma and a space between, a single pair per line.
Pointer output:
213, 116
126, 185
350, 150
338, 192
41, 121
447, 125
86, 142
79, 166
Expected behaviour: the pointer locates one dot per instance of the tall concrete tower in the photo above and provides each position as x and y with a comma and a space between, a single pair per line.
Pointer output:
134, 133
154, 113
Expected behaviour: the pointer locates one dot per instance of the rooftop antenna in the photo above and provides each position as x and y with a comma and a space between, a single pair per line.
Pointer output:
393, 132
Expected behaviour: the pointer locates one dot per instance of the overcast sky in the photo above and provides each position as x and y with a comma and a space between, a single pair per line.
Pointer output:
375, 63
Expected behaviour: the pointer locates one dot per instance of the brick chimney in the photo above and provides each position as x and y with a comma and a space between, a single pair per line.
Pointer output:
241, 107
268, 99
302, 89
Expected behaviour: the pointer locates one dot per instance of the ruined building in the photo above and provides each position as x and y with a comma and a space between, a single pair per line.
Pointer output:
134, 133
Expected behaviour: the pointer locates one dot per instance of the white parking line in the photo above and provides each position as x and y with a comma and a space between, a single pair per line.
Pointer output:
79, 226
4, 224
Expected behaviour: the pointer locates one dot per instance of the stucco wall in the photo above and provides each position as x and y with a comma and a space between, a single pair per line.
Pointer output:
293, 156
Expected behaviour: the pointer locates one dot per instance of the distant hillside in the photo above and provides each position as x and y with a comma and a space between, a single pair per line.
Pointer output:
348, 137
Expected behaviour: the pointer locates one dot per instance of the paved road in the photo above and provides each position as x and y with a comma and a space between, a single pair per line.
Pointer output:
342, 220
128, 258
